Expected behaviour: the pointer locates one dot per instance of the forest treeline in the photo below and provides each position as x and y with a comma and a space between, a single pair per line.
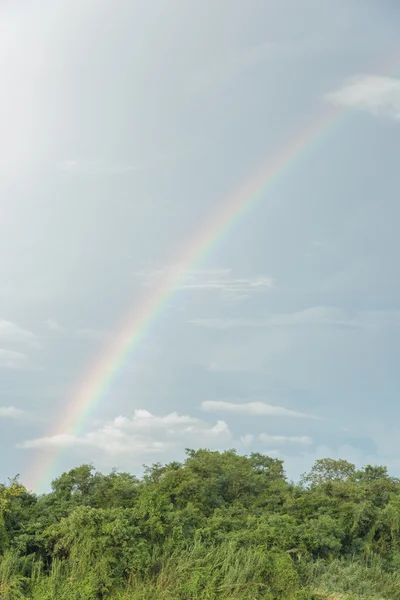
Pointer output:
217, 525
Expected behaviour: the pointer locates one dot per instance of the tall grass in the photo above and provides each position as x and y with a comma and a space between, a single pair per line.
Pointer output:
199, 572
354, 579
12, 580
224, 571
206, 572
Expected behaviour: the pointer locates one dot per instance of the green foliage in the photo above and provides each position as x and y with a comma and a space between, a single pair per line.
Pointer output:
12, 580
328, 469
217, 525
355, 578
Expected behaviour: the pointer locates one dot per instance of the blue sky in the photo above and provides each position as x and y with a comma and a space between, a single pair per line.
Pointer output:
126, 126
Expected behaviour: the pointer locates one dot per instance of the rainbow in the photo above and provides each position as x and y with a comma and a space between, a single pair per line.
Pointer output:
136, 325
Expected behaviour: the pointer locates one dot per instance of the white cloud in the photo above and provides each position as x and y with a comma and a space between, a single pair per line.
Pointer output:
302, 440
225, 68
10, 412
55, 326
375, 94
10, 359
215, 280
226, 323
86, 333
12, 333
316, 316
253, 409
272, 453
144, 433
89, 333
95, 167
314, 247
247, 440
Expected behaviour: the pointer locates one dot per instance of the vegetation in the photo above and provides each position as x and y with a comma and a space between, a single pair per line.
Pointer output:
217, 525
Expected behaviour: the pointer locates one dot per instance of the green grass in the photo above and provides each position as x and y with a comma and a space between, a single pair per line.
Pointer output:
354, 580
205, 572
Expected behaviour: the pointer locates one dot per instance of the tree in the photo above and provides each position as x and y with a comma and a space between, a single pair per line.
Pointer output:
7, 494
327, 470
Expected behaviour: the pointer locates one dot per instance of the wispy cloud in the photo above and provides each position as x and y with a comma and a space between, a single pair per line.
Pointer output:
231, 64
314, 247
225, 68
144, 433
12, 333
55, 326
247, 439
253, 409
227, 323
11, 359
95, 167
90, 333
313, 316
10, 412
221, 281
283, 440
316, 316
375, 94
85, 333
